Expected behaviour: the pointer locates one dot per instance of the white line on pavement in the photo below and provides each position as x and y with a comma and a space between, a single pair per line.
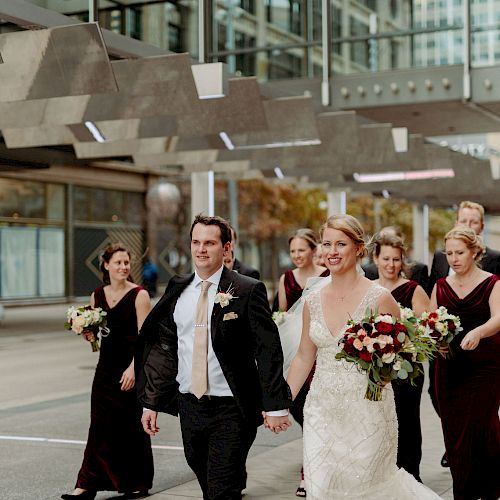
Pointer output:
72, 441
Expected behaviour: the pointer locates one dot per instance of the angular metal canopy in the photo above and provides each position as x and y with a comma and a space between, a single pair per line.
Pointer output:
65, 61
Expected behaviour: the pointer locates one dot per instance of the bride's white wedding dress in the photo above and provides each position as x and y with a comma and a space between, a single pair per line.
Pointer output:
350, 443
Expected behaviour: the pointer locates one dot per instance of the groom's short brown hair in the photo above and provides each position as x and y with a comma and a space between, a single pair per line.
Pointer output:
222, 224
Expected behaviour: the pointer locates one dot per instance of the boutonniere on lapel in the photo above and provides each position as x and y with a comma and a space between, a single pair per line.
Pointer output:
223, 298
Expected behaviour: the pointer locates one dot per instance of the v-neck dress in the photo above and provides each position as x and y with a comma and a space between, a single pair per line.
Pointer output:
118, 454
350, 443
468, 393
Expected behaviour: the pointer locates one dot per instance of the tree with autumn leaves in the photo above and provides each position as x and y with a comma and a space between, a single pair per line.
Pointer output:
269, 212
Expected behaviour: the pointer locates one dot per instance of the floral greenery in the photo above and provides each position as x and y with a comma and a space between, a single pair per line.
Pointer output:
87, 321
385, 348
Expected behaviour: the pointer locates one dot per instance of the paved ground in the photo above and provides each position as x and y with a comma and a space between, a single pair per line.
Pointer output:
45, 377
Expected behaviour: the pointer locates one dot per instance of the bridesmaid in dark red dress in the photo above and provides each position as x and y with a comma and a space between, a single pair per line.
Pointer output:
303, 244
118, 454
389, 256
468, 379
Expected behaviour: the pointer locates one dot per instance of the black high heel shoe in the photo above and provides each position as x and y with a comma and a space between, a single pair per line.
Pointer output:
135, 494
86, 495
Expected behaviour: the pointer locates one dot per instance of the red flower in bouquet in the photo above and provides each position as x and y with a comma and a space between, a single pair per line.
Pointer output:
385, 348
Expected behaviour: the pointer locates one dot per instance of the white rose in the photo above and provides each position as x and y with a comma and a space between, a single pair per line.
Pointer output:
388, 357
397, 365
386, 318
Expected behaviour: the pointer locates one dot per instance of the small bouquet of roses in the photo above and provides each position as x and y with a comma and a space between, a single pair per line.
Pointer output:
87, 321
439, 327
385, 348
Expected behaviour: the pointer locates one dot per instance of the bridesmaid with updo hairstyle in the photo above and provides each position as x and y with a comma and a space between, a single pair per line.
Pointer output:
303, 247
468, 379
118, 454
389, 255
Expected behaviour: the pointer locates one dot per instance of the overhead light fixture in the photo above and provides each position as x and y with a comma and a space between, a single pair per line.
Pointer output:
226, 140
410, 175
96, 133
210, 80
400, 139
281, 144
279, 173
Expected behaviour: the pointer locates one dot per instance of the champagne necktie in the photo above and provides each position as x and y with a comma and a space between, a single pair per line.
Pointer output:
199, 376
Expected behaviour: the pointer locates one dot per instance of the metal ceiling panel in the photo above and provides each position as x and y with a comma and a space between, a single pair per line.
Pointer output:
64, 61
148, 87
289, 119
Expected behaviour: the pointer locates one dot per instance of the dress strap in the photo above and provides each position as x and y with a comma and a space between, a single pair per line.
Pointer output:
314, 302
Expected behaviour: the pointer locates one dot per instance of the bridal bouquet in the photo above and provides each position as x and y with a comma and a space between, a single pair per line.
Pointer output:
87, 321
439, 327
385, 348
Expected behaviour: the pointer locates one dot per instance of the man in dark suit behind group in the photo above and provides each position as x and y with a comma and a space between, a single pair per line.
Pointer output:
469, 214
419, 271
238, 266
243, 365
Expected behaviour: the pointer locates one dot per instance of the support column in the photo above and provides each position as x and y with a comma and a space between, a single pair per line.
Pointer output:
262, 61
421, 233
202, 193
326, 41
337, 202
232, 187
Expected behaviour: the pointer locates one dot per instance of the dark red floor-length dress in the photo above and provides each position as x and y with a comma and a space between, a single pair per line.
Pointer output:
468, 395
118, 454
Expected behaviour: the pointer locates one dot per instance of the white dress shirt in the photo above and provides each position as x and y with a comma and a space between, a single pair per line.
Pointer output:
184, 316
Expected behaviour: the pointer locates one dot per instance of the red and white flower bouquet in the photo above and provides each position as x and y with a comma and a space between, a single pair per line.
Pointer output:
439, 327
385, 348
88, 321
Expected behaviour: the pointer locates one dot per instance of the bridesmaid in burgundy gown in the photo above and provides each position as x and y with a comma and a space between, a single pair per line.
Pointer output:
389, 257
468, 380
303, 244
118, 454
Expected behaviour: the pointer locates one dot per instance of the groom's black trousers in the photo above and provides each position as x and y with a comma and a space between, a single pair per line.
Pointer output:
216, 442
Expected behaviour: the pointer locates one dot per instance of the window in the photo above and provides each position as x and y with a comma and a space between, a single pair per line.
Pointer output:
360, 52
31, 200
106, 205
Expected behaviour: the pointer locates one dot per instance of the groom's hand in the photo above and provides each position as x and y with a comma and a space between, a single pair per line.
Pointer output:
277, 424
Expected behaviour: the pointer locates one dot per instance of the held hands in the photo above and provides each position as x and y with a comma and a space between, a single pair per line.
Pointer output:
128, 379
471, 340
148, 421
276, 424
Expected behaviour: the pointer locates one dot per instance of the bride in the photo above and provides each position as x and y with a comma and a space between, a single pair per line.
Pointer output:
350, 443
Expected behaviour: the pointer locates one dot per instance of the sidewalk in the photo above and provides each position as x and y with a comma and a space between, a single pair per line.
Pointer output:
274, 474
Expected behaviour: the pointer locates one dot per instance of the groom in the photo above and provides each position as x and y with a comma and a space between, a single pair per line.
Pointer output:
211, 354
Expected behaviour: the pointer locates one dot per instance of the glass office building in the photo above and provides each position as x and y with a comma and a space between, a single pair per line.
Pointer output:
49, 220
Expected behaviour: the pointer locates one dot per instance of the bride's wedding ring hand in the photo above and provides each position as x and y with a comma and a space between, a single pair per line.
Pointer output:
277, 424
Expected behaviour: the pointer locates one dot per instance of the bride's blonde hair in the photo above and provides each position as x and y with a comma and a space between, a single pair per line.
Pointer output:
351, 227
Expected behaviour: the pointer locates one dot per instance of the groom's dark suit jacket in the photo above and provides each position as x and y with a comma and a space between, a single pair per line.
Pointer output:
248, 349
440, 267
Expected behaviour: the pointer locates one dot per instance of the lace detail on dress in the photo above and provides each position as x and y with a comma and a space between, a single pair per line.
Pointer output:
350, 443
